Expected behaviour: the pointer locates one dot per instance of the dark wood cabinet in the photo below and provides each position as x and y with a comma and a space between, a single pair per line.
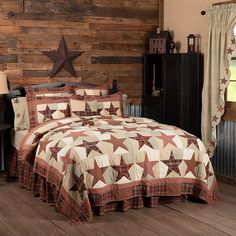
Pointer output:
152, 108
172, 87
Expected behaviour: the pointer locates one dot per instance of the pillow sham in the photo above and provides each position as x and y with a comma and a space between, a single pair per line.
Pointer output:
42, 109
83, 107
64, 91
110, 105
91, 91
21, 114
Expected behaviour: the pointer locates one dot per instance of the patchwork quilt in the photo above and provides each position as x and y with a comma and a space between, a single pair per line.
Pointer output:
96, 160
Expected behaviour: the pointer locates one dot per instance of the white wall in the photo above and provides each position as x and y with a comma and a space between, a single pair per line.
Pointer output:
183, 17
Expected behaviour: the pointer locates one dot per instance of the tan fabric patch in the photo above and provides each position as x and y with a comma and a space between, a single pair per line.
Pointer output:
91, 91
83, 107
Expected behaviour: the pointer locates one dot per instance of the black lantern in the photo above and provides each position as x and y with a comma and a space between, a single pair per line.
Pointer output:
114, 88
191, 43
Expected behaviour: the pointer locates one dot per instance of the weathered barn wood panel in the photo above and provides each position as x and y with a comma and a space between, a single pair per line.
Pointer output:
112, 34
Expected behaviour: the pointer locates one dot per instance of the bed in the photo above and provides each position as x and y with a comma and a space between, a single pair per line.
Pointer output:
81, 153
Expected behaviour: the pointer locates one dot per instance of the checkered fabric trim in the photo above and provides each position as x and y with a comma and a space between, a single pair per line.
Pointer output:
13, 163
140, 195
159, 189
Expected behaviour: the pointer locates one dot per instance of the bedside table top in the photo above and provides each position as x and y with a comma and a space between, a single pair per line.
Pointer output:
5, 126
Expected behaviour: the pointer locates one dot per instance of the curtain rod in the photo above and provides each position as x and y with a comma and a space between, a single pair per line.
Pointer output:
219, 3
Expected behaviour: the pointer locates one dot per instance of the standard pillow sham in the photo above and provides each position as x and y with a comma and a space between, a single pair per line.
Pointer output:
83, 107
42, 109
21, 114
110, 105
64, 91
91, 91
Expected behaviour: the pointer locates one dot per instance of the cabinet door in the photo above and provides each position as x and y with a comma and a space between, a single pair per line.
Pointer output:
192, 89
172, 89
152, 73
182, 88
152, 79
152, 108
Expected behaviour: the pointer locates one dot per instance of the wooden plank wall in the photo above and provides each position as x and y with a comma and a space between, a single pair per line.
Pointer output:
112, 34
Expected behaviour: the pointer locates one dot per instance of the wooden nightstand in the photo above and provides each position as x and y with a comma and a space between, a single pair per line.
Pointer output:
4, 143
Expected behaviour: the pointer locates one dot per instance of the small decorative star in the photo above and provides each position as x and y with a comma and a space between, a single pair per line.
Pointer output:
230, 50
220, 109
223, 81
78, 184
209, 151
173, 164
16, 101
143, 140
67, 160
112, 110
122, 169
167, 139
97, 173
47, 113
90, 146
212, 143
147, 166
54, 150
208, 171
215, 118
191, 139
191, 165
63, 58
117, 142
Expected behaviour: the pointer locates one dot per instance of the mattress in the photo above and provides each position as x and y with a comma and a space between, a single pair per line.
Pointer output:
17, 137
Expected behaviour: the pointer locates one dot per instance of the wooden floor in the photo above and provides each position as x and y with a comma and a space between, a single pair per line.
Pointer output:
22, 214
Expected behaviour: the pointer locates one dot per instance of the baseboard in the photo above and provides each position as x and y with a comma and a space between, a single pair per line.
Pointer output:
226, 179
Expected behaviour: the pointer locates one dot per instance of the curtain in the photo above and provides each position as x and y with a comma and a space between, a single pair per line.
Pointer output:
220, 46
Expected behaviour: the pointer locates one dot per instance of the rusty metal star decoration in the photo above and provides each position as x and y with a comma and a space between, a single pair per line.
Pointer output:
63, 58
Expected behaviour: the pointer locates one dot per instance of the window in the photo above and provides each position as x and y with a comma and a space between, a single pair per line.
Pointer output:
231, 90
230, 106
